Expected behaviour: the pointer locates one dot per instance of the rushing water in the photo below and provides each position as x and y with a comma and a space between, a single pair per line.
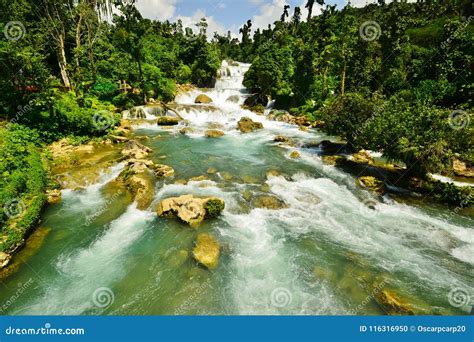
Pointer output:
327, 252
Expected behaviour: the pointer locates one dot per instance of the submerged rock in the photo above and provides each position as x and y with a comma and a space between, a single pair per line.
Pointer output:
133, 149
211, 170
233, 98
268, 202
247, 125
198, 178
207, 250
168, 121
190, 209
214, 133
392, 304
203, 99
272, 173
295, 155
186, 130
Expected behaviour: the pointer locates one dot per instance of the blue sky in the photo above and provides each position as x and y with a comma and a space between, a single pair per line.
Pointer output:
223, 15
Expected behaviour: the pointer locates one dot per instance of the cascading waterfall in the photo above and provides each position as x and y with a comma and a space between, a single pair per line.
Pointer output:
323, 252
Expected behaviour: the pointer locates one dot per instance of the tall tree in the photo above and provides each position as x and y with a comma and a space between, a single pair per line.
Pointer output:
309, 6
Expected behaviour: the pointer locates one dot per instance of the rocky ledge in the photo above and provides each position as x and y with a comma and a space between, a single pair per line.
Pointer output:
190, 209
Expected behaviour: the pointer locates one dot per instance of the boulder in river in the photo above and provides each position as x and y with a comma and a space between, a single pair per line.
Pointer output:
363, 157
371, 183
190, 209
168, 121
233, 98
133, 149
54, 196
203, 99
461, 169
268, 202
256, 99
392, 304
207, 250
327, 146
281, 139
247, 125
4, 259
162, 170
214, 133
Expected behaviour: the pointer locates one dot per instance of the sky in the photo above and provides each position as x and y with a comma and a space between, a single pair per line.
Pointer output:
224, 15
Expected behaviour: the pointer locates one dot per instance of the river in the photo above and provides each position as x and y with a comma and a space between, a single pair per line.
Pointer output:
331, 250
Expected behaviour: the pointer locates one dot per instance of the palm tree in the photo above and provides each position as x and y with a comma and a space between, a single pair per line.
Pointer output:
285, 13
309, 6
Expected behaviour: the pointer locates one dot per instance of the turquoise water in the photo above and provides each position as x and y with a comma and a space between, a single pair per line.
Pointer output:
325, 253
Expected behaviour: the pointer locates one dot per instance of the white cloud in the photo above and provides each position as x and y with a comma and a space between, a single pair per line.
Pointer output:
157, 9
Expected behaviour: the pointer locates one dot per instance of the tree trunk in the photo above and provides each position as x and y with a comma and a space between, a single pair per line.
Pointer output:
63, 62
343, 85
325, 82
140, 72
78, 53
78, 43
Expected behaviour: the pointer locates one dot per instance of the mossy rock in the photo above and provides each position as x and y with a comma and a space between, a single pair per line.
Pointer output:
214, 207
